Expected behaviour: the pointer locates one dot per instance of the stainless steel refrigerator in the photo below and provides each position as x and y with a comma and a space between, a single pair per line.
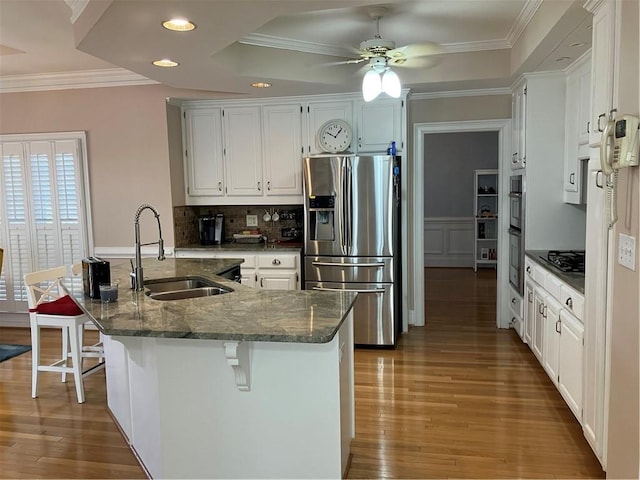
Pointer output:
351, 226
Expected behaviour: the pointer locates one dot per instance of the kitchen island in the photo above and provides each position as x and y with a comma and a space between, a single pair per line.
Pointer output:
248, 384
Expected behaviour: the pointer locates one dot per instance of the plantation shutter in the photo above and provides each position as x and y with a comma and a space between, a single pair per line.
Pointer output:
42, 216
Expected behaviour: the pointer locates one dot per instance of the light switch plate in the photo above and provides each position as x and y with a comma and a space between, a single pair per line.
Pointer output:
252, 220
627, 251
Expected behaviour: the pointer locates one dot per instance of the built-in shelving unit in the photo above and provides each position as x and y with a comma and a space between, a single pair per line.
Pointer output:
485, 206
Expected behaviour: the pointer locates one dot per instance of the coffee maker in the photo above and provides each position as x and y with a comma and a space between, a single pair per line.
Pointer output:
211, 229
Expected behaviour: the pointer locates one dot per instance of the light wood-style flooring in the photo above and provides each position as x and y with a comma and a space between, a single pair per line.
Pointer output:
460, 398
457, 398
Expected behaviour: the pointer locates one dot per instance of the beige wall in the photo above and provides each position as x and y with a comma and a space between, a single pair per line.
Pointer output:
128, 154
624, 416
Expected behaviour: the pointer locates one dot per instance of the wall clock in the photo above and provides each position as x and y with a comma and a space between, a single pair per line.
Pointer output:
334, 136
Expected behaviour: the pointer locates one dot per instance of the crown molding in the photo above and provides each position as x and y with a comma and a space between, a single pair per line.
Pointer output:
475, 46
525, 16
270, 41
113, 77
76, 6
461, 93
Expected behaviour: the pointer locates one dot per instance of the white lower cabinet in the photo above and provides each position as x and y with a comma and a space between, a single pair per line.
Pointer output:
278, 271
554, 331
570, 362
272, 271
515, 308
551, 341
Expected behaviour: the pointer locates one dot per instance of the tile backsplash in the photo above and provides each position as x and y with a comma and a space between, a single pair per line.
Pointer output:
291, 220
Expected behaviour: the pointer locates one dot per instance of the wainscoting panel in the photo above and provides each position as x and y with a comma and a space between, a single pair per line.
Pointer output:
448, 242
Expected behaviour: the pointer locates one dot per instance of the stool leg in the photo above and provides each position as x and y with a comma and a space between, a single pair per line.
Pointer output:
75, 358
65, 352
35, 356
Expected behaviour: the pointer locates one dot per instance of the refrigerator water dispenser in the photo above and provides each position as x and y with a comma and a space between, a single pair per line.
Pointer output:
321, 218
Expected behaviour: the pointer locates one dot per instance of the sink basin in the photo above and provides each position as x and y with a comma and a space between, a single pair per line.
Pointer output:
179, 288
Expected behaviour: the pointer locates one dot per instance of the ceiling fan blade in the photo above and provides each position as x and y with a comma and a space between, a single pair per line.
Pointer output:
415, 62
349, 61
415, 50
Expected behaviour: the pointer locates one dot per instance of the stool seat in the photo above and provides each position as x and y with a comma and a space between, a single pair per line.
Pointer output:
49, 308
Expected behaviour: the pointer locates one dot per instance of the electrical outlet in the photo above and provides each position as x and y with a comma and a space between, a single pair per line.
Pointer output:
627, 251
252, 220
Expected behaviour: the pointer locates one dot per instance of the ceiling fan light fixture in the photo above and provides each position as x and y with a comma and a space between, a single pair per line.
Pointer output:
371, 85
391, 83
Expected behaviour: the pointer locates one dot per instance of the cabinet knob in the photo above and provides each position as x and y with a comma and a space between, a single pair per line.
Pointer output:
569, 303
602, 115
259, 186
529, 269
513, 300
572, 178
219, 186
558, 327
275, 262
269, 186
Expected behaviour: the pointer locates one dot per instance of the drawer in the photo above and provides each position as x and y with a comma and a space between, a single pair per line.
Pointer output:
572, 300
277, 261
539, 275
553, 285
515, 302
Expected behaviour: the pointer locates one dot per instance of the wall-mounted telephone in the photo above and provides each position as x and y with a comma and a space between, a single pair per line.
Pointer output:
619, 145
618, 149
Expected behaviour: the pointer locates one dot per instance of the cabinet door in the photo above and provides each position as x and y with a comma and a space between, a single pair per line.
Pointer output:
282, 149
551, 341
570, 362
319, 113
571, 162
203, 152
602, 68
248, 277
584, 102
529, 312
243, 151
379, 123
519, 144
537, 332
277, 280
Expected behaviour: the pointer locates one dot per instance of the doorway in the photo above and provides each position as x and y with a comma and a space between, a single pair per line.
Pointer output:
417, 250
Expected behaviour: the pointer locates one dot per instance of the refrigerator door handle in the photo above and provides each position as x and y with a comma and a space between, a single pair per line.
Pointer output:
344, 213
352, 265
349, 208
377, 290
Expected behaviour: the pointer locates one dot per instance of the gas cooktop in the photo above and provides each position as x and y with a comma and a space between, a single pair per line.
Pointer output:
566, 260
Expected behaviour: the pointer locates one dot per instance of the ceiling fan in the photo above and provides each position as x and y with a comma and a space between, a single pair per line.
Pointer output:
383, 54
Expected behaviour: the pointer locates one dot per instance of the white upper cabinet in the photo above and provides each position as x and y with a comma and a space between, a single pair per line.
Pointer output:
283, 149
248, 152
204, 168
320, 112
379, 123
243, 151
519, 119
602, 68
576, 128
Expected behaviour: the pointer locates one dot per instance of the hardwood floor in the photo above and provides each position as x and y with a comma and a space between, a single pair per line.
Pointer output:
460, 398
457, 398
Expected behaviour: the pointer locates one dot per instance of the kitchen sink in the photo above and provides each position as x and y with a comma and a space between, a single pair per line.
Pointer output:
179, 288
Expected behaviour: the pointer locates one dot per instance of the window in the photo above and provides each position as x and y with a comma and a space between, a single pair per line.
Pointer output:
44, 208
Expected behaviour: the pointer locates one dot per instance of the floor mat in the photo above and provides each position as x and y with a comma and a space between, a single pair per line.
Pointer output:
9, 351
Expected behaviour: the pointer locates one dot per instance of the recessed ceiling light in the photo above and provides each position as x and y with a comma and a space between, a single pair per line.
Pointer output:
261, 84
562, 59
577, 44
178, 25
165, 62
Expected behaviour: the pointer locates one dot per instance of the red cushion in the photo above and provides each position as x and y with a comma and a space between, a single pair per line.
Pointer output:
64, 306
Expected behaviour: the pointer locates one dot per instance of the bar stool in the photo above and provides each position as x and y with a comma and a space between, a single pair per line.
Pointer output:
49, 306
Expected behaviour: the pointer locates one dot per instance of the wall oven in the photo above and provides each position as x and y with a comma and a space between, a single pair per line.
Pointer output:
516, 232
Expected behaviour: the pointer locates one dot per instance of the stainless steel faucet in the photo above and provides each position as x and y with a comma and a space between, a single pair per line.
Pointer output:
136, 275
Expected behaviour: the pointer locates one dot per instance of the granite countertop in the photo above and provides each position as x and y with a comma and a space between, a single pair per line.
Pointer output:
246, 314
573, 279
243, 247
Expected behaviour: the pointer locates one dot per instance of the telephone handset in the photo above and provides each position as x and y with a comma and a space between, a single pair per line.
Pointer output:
619, 145
618, 149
